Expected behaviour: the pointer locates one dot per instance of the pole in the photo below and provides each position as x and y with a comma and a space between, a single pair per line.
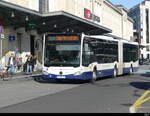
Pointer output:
43, 50
1, 50
92, 6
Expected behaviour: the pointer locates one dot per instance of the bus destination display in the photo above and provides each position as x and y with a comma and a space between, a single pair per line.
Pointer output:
63, 38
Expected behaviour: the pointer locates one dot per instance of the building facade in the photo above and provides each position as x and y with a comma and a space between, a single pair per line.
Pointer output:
141, 15
43, 6
31, 4
19, 40
99, 12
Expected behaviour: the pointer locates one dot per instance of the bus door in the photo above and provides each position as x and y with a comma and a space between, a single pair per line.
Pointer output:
120, 58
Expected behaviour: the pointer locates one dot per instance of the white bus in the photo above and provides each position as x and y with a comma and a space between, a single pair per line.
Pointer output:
84, 57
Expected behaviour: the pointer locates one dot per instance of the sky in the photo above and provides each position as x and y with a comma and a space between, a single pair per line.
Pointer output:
127, 3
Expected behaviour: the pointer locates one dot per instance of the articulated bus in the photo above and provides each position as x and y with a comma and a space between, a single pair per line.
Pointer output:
84, 57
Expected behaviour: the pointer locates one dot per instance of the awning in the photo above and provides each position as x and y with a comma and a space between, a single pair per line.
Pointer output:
62, 22
55, 22
16, 16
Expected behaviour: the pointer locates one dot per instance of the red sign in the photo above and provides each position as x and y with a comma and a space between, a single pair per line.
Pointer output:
87, 14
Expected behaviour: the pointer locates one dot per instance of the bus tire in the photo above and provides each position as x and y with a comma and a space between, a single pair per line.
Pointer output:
131, 70
94, 77
115, 72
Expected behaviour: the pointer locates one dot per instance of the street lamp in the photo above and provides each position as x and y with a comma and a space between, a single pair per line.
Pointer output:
27, 18
12, 15
55, 26
44, 23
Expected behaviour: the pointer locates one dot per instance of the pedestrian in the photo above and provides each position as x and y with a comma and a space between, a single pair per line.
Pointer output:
4, 73
1, 71
12, 64
25, 63
19, 64
34, 62
29, 64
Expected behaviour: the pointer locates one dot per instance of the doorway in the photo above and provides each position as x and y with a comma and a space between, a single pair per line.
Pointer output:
32, 42
19, 42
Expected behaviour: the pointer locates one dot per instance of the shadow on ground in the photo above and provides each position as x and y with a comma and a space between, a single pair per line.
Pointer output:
141, 85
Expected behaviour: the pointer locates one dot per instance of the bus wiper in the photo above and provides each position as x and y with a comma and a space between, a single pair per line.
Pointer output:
75, 65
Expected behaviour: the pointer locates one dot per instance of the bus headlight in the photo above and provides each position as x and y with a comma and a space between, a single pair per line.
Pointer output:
45, 73
77, 73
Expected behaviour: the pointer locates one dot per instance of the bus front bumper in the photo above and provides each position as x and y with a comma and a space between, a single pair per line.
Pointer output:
84, 76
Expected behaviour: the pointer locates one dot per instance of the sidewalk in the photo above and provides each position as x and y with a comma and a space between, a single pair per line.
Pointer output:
21, 75
143, 69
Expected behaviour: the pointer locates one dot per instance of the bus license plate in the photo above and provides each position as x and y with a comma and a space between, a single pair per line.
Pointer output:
61, 77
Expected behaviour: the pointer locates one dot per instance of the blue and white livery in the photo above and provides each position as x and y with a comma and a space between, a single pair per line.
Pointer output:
83, 57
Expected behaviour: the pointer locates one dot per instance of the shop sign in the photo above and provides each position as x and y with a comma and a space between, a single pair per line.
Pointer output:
2, 36
90, 16
12, 38
87, 14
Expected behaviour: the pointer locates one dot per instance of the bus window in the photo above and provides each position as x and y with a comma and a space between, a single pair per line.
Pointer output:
89, 48
87, 55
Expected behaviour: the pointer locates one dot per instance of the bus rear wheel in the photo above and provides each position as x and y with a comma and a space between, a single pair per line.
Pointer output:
94, 77
131, 70
115, 73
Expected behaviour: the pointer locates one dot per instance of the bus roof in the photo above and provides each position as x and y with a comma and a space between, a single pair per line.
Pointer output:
130, 42
113, 39
104, 37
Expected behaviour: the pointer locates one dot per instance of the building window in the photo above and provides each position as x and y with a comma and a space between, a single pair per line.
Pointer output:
148, 56
19, 42
147, 49
142, 56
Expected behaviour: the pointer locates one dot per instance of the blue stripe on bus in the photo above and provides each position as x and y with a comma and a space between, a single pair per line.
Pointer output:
83, 76
104, 73
88, 75
127, 70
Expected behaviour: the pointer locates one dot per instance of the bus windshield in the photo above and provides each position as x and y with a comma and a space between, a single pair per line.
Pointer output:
62, 53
